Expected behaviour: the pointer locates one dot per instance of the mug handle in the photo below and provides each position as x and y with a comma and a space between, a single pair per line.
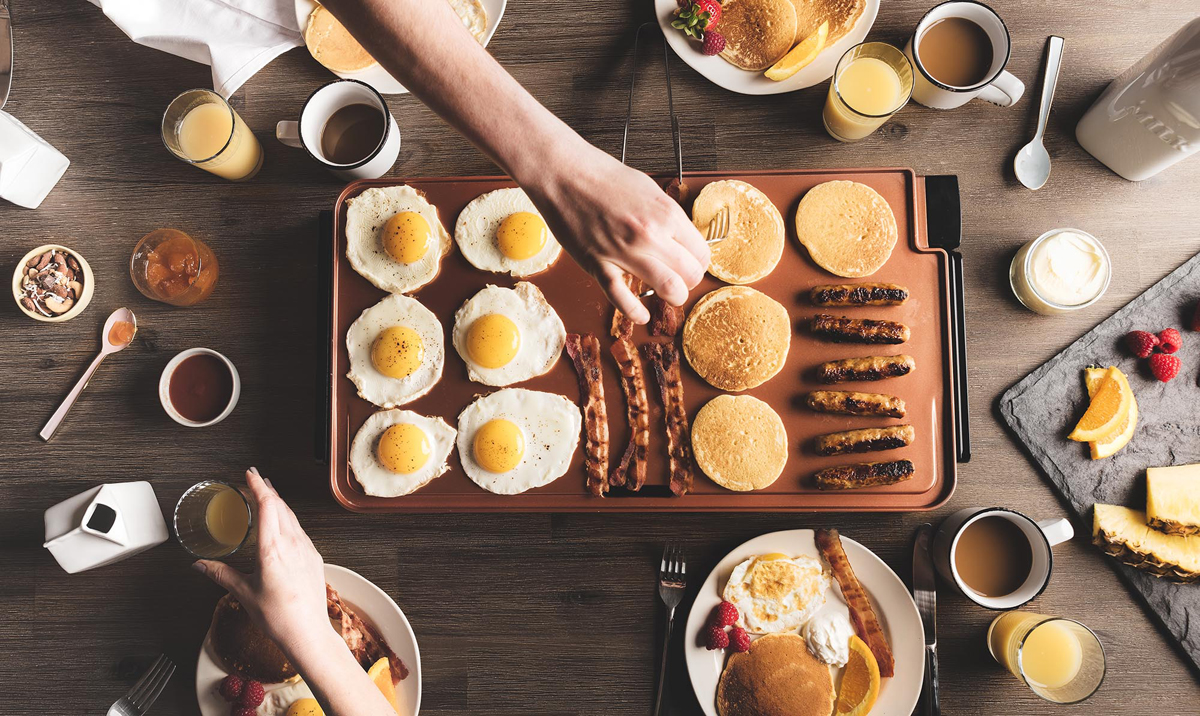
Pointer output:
288, 132
1056, 531
1004, 91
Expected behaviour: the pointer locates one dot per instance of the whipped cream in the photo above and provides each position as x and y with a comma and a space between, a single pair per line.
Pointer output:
1068, 268
828, 636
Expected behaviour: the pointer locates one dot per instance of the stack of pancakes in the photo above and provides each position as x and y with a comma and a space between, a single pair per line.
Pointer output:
759, 32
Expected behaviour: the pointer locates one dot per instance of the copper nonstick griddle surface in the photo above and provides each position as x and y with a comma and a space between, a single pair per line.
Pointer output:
583, 308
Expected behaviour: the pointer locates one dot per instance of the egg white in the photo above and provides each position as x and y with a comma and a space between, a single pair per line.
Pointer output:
365, 216
382, 390
278, 698
542, 332
475, 233
761, 612
378, 481
550, 424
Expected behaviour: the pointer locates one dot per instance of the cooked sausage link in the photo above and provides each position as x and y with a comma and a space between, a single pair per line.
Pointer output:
864, 440
866, 474
858, 294
846, 402
869, 368
858, 330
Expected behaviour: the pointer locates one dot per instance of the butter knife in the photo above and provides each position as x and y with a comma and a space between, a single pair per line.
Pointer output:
6, 52
925, 595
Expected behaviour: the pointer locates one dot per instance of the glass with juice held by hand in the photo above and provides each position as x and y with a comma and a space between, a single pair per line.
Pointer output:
202, 129
872, 82
213, 520
1060, 659
169, 266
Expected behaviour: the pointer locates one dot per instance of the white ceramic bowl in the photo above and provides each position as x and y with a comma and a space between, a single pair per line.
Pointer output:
164, 388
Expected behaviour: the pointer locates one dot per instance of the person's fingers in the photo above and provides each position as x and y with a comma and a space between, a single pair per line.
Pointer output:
269, 503
612, 280
667, 284
680, 260
225, 576
690, 239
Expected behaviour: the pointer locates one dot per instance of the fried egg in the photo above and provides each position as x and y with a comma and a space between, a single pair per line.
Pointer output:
776, 593
396, 351
394, 238
395, 452
280, 700
502, 231
515, 439
473, 16
507, 335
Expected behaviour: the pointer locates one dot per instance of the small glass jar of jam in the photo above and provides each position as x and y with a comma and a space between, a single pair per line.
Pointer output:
172, 267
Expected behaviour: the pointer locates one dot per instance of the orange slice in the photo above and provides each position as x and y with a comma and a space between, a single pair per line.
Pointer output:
381, 673
1121, 436
860, 681
1108, 410
800, 56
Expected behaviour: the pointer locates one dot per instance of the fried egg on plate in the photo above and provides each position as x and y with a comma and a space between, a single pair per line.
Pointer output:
502, 231
507, 335
514, 440
776, 593
394, 238
396, 351
473, 16
396, 452
289, 699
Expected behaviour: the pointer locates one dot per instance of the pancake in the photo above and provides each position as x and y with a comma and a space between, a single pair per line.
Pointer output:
739, 442
331, 44
243, 648
755, 241
757, 32
847, 227
777, 677
841, 14
736, 337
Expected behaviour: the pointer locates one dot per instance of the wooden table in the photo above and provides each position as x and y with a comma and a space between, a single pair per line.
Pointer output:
523, 614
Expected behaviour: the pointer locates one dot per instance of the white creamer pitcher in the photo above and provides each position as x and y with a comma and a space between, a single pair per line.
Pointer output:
104, 525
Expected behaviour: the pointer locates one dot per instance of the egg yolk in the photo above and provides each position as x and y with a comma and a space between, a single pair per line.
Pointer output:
406, 237
305, 707
521, 235
499, 445
404, 448
493, 340
398, 352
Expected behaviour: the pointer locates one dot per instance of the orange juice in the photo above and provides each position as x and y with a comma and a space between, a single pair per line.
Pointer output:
226, 517
1060, 659
202, 129
872, 81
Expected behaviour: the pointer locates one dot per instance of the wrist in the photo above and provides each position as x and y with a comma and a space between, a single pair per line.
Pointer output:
312, 644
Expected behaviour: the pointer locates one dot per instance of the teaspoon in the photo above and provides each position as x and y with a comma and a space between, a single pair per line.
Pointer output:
108, 345
1032, 163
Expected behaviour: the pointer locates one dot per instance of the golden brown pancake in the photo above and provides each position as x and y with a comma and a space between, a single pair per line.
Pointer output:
755, 240
244, 648
757, 32
331, 44
736, 337
777, 677
847, 227
739, 442
841, 14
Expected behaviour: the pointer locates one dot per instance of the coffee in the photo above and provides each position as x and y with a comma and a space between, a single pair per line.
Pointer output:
956, 52
993, 557
352, 133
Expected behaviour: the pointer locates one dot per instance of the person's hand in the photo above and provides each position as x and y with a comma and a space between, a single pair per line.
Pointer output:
286, 596
616, 220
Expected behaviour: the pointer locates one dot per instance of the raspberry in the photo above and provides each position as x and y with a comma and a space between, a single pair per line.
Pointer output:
231, 687
714, 42
724, 615
1164, 367
739, 639
716, 638
1169, 340
1141, 343
243, 711
252, 695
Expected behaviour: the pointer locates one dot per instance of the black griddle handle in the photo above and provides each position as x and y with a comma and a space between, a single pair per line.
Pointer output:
324, 337
944, 229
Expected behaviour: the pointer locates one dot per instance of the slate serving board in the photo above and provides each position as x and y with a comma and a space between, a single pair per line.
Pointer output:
1043, 408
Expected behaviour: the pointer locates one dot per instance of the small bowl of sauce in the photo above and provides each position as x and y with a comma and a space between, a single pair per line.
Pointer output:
199, 387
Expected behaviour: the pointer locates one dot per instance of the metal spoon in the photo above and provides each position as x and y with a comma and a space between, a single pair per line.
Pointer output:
107, 348
1032, 163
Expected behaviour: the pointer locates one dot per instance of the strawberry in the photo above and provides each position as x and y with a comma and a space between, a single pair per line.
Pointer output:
696, 17
714, 42
1169, 340
716, 638
1141, 343
1196, 318
1164, 367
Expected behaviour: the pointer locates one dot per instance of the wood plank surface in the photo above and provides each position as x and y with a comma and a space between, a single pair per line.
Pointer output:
522, 614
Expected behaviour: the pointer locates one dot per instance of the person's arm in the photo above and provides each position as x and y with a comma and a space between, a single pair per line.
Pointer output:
286, 598
612, 219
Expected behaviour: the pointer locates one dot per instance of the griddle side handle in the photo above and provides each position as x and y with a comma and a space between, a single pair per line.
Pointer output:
944, 229
324, 337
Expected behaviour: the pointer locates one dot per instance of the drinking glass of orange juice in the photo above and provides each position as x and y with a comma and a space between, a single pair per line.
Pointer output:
202, 129
169, 266
213, 519
872, 82
1060, 659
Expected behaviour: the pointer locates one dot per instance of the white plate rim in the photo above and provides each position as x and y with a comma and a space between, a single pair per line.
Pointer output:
898, 696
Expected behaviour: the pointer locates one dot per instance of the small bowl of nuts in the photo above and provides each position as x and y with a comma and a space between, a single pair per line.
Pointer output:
53, 283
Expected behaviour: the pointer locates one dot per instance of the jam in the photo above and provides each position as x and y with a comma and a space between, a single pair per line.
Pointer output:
201, 387
172, 267
120, 333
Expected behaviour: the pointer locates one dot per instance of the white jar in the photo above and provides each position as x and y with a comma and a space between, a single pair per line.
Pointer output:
1062, 270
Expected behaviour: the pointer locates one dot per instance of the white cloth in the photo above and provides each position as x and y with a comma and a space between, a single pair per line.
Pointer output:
29, 166
236, 37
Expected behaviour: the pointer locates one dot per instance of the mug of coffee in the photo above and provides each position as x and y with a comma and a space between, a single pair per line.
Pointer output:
960, 50
999, 559
346, 126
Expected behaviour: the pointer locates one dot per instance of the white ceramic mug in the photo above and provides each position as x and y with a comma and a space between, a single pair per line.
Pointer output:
1041, 535
998, 87
306, 133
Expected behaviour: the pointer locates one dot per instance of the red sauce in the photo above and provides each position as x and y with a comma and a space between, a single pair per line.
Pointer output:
201, 387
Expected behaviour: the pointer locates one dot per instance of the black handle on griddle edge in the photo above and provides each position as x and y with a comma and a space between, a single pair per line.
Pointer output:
962, 418
324, 339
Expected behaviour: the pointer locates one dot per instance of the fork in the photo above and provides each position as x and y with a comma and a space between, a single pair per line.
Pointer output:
141, 697
717, 231
672, 580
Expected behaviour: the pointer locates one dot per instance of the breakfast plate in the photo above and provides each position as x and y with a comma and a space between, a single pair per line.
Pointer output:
735, 79
889, 597
378, 77
365, 598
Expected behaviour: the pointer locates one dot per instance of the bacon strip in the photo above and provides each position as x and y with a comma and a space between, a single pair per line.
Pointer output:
585, 354
363, 641
633, 382
622, 327
665, 359
866, 624
665, 319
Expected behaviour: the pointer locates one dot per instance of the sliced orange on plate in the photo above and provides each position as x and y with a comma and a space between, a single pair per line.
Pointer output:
1108, 409
860, 681
800, 56
381, 673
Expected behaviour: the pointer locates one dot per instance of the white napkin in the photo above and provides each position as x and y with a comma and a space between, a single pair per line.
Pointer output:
236, 37
29, 166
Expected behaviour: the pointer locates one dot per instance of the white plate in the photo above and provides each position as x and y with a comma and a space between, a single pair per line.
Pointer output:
373, 604
735, 79
375, 75
889, 597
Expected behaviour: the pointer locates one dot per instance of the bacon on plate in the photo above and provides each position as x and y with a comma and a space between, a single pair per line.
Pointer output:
866, 624
585, 354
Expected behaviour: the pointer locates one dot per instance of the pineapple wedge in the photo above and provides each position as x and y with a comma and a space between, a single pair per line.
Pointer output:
1173, 499
1123, 533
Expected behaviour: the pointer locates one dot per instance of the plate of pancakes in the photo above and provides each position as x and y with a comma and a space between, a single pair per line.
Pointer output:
758, 33
779, 582
368, 619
